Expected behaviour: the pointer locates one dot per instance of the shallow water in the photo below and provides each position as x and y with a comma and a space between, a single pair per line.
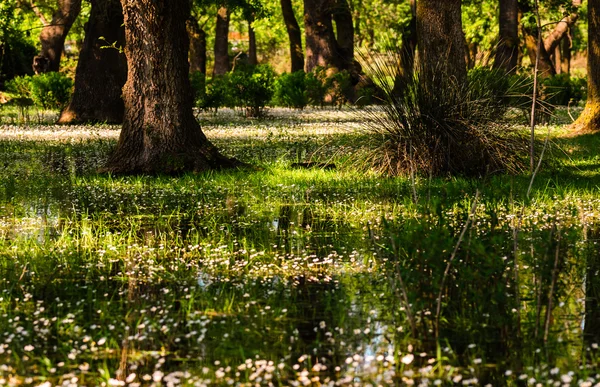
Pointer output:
230, 279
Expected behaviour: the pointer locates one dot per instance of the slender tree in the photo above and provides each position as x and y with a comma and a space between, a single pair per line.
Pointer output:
197, 38
252, 54
440, 44
294, 34
589, 120
101, 71
507, 52
53, 34
160, 133
222, 42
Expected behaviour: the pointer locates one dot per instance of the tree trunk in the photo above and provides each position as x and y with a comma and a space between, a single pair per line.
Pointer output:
197, 38
409, 44
441, 43
589, 120
566, 53
252, 56
101, 72
222, 42
53, 35
344, 28
320, 37
160, 133
294, 34
557, 59
560, 31
545, 65
508, 48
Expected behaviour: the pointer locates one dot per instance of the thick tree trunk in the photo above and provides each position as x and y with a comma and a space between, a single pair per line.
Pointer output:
294, 34
252, 55
589, 120
508, 48
101, 72
222, 42
320, 37
53, 35
197, 38
441, 43
160, 133
344, 28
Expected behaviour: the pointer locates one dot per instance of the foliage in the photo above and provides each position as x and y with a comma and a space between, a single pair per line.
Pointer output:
49, 91
16, 52
291, 91
252, 88
563, 90
316, 88
340, 87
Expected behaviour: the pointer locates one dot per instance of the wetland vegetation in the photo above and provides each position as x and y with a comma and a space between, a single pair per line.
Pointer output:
293, 276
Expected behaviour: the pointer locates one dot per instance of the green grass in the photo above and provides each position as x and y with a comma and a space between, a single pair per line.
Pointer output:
277, 273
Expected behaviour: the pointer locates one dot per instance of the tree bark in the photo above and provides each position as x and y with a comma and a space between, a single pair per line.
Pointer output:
409, 44
560, 31
101, 72
252, 55
222, 42
589, 120
508, 48
197, 38
294, 34
557, 59
545, 65
53, 35
566, 53
320, 37
441, 43
344, 37
160, 133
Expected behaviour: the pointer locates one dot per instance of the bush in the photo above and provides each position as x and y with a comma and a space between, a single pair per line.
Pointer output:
290, 90
15, 58
252, 88
51, 90
48, 91
341, 90
316, 88
455, 129
561, 89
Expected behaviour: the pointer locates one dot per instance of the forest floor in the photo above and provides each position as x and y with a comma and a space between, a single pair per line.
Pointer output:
293, 276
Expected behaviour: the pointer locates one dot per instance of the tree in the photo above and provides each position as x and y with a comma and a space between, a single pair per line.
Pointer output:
54, 33
101, 71
440, 44
160, 133
323, 47
295, 37
589, 120
222, 42
507, 53
197, 38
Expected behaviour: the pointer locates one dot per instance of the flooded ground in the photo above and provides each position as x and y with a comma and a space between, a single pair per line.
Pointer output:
286, 276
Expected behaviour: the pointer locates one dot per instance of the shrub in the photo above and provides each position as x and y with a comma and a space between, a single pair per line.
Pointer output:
198, 84
252, 88
316, 88
51, 90
290, 90
216, 94
454, 129
340, 88
561, 89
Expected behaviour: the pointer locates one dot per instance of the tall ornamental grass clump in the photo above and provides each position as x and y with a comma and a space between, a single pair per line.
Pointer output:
453, 129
